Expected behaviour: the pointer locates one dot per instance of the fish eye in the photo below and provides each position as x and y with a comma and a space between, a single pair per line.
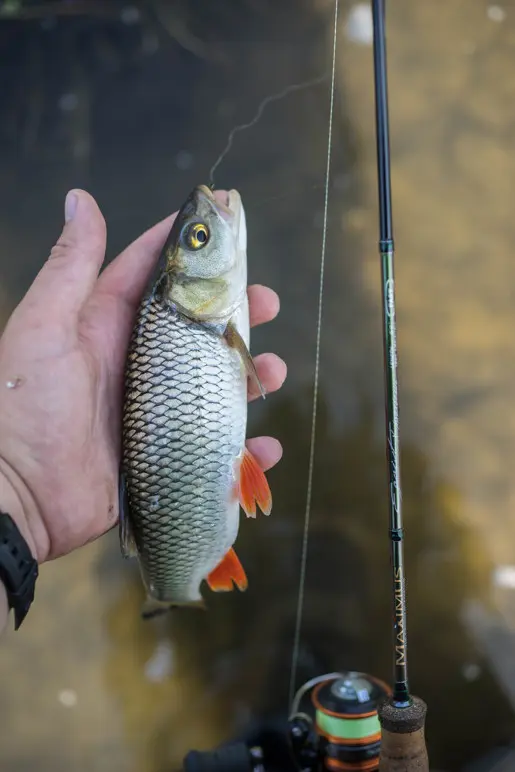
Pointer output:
196, 236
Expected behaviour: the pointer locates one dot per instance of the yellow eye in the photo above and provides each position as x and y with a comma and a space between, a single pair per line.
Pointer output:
197, 236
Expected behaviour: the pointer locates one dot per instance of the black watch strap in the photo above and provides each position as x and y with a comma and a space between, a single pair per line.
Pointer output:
18, 569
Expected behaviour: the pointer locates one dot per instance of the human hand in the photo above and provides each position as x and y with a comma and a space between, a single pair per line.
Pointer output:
62, 358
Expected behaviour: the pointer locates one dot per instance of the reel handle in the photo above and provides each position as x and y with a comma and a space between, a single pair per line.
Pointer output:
403, 745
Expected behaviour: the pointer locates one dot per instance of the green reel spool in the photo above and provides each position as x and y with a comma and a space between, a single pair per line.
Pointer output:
347, 721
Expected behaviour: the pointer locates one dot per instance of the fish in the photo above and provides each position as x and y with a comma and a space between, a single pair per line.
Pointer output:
185, 470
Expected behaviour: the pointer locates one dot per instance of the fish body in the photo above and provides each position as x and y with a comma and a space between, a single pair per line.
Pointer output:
185, 468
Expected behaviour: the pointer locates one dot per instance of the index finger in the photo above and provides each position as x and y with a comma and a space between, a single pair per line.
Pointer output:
263, 304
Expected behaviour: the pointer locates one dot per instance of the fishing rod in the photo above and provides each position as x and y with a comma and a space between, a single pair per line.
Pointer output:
350, 720
402, 716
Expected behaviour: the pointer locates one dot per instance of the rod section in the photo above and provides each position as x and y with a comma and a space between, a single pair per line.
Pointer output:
401, 695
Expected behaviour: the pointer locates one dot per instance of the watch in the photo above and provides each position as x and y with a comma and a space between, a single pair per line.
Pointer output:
18, 569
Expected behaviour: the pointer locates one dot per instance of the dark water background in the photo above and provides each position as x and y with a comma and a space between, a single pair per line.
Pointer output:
134, 103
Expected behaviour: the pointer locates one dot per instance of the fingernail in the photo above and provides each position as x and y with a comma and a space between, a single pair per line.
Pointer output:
70, 205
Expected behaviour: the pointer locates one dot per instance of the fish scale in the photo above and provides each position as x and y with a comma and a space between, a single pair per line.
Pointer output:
184, 425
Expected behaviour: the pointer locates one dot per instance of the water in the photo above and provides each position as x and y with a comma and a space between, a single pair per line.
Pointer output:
136, 109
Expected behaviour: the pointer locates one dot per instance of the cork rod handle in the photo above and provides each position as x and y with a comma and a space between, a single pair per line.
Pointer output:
403, 745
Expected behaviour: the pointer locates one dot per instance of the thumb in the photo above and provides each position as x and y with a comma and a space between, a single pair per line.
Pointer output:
65, 281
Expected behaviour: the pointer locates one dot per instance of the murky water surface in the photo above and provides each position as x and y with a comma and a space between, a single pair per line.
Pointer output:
136, 107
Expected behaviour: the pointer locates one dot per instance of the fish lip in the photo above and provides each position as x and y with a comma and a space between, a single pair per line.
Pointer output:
215, 199
206, 191
234, 205
227, 205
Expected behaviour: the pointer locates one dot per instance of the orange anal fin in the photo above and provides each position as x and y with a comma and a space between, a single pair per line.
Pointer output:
254, 487
228, 571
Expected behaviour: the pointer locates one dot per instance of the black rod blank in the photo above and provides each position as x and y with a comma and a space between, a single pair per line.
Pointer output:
401, 695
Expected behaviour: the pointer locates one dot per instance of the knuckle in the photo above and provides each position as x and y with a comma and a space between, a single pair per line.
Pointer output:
64, 248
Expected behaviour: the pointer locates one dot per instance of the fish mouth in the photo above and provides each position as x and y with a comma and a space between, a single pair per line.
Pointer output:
229, 207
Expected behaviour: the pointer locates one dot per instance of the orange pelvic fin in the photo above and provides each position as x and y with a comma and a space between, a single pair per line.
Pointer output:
228, 571
253, 487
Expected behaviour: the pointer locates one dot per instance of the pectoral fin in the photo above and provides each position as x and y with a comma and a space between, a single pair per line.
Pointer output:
229, 570
253, 486
127, 543
235, 341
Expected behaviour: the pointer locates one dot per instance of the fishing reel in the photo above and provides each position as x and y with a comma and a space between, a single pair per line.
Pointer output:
333, 726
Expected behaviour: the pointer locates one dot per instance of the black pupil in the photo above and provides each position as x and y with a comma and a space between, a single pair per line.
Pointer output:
201, 236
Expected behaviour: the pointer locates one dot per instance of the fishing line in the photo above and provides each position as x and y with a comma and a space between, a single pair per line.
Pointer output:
304, 554
266, 101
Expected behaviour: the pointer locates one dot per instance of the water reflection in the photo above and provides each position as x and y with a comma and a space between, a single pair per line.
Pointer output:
156, 119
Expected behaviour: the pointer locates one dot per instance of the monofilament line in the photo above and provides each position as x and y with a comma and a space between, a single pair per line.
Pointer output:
242, 126
304, 554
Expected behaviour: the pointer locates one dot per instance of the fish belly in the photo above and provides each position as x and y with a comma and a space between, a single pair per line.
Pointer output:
184, 425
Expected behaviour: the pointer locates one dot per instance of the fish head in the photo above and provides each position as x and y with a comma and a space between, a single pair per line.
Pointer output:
206, 257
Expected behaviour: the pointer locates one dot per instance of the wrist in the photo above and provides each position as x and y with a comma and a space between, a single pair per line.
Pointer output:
17, 501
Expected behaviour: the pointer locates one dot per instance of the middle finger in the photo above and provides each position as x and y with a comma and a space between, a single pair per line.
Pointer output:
271, 370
